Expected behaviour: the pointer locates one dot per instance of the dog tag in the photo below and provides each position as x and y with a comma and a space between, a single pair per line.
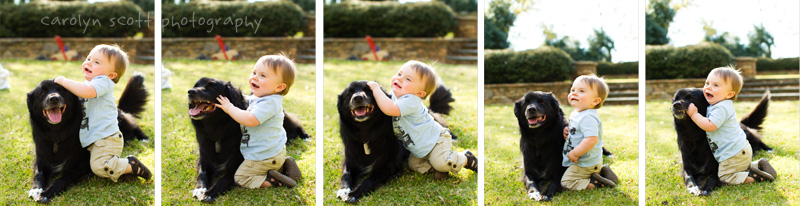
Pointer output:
366, 149
217, 147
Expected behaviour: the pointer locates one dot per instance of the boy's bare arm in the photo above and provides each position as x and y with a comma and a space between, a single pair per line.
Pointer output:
241, 116
582, 148
387, 106
81, 90
702, 122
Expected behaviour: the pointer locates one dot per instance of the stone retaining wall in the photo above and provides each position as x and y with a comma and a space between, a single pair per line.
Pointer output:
249, 48
467, 26
423, 49
31, 48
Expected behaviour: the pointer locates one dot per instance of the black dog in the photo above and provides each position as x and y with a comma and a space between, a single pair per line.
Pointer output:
219, 136
370, 146
541, 124
698, 160
55, 116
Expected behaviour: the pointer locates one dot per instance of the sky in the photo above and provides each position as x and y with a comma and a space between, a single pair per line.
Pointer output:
781, 18
578, 19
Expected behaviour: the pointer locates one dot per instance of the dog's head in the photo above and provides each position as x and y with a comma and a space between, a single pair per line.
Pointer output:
684, 97
52, 103
356, 102
203, 97
537, 109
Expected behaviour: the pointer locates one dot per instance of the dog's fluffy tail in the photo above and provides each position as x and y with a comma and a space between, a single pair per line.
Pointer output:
134, 97
756, 117
440, 100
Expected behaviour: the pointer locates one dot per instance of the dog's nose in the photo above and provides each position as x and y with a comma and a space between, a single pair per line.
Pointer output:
677, 106
358, 99
52, 99
531, 108
192, 92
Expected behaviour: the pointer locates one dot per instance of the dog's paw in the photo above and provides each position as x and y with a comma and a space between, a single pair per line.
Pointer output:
535, 195
199, 193
343, 194
705, 193
694, 190
35, 194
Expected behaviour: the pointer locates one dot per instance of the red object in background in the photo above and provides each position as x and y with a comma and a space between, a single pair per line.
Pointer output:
61, 47
372, 47
222, 47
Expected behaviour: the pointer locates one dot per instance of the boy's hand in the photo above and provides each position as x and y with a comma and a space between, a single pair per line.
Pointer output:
566, 132
373, 85
59, 79
224, 103
572, 158
691, 110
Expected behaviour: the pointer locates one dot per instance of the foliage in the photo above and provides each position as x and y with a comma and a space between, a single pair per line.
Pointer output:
388, 19
466, 6
146, 5
307, 5
494, 37
782, 64
608, 68
69, 19
659, 16
693, 61
277, 18
543, 64
761, 41
497, 21
600, 45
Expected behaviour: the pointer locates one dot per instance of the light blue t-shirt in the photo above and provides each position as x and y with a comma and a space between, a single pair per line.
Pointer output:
99, 113
267, 139
415, 126
729, 138
581, 125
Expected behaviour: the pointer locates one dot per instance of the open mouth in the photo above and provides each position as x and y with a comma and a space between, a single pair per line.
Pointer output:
536, 121
395, 84
361, 113
54, 114
709, 95
86, 70
254, 86
201, 108
678, 111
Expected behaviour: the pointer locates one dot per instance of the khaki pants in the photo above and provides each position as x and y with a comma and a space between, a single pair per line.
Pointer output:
252, 174
104, 158
577, 177
441, 158
734, 170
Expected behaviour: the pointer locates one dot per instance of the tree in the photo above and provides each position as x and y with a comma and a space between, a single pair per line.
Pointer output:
660, 13
761, 41
498, 20
600, 46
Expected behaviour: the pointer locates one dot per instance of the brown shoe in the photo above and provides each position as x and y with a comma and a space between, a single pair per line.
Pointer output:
763, 168
600, 182
278, 180
607, 173
138, 168
291, 169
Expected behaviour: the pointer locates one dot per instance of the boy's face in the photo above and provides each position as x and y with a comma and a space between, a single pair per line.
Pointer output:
582, 96
265, 81
407, 81
717, 89
97, 64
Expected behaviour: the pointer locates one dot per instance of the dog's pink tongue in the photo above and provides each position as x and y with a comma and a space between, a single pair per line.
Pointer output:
533, 121
361, 111
194, 111
54, 115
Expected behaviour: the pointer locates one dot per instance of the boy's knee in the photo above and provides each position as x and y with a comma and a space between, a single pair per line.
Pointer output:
444, 166
102, 170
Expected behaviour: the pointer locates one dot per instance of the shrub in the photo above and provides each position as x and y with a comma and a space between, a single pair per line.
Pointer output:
307, 5
693, 61
543, 64
26, 20
608, 68
388, 19
768, 64
465, 6
278, 18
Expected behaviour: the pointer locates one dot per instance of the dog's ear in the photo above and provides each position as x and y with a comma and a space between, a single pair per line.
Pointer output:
555, 105
31, 98
518, 105
235, 95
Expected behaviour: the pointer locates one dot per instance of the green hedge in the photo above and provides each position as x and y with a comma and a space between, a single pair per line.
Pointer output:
278, 18
307, 5
36, 19
462, 5
767, 64
608, 68
693, 61
388, 19
543, 64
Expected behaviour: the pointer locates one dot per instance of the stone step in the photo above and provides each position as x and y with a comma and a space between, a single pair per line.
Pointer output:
463, 58
623, 94
145, 58
773, 96
467, 51
761, 90
771, 82
621, 100
471, 45
149, 51
305, 57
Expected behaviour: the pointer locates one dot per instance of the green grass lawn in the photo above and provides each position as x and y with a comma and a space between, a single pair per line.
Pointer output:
179, 148
412, 188
665, 186
18, 151
503, 185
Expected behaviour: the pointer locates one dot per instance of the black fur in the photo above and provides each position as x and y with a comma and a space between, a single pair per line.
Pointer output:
541, 143
57, 143
219, 136
387, 156
698, 161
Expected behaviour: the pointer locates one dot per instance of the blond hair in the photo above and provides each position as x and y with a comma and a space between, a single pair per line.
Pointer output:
426, 73
729, 75
115, 53
598, 84
279, 63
